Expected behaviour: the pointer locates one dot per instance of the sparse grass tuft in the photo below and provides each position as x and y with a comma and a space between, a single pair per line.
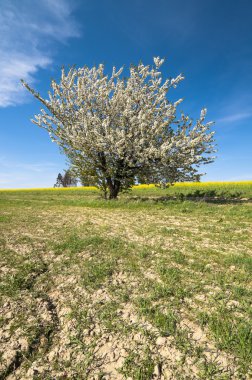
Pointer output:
149, 285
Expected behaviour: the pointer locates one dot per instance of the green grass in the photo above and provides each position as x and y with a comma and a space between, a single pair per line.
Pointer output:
92, 287
221, 190
138, 366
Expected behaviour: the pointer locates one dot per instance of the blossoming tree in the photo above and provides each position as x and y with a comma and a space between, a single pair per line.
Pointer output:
117, 130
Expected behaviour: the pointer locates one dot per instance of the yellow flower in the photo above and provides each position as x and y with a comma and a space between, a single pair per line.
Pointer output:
145, 186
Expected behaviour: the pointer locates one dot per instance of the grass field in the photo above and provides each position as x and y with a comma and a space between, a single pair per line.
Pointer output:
146, 287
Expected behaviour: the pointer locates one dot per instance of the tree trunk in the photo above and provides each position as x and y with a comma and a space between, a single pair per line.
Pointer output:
114, 188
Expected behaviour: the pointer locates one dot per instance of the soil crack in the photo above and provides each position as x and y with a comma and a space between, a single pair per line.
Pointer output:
45, 332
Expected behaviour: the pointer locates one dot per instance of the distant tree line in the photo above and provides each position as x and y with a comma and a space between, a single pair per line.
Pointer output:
66, 179
70, 179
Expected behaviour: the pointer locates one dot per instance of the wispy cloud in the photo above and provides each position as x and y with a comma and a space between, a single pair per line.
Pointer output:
33, 167
231, 118
22, 174
28, 30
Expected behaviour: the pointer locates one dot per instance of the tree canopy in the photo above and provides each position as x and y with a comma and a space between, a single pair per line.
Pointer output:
116, 130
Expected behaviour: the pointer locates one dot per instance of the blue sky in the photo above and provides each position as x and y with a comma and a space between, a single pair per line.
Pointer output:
209, 41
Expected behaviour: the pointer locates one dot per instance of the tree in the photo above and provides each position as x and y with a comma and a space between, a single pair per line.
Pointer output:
66, 180
86, 181
117, 129
59, 181
69, 179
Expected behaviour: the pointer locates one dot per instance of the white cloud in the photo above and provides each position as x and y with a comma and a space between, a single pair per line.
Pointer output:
231, 118
34, 167
27, 31
21, 174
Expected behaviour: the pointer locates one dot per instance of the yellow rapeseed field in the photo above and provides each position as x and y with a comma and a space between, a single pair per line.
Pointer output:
145, 186
201, 184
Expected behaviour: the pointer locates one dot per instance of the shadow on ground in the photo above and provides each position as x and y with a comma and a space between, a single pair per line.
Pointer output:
216, 200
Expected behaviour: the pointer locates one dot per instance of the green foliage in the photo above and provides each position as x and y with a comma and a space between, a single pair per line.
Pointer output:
138, 366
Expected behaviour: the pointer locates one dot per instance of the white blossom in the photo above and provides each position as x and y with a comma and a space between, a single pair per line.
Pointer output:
115, 130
